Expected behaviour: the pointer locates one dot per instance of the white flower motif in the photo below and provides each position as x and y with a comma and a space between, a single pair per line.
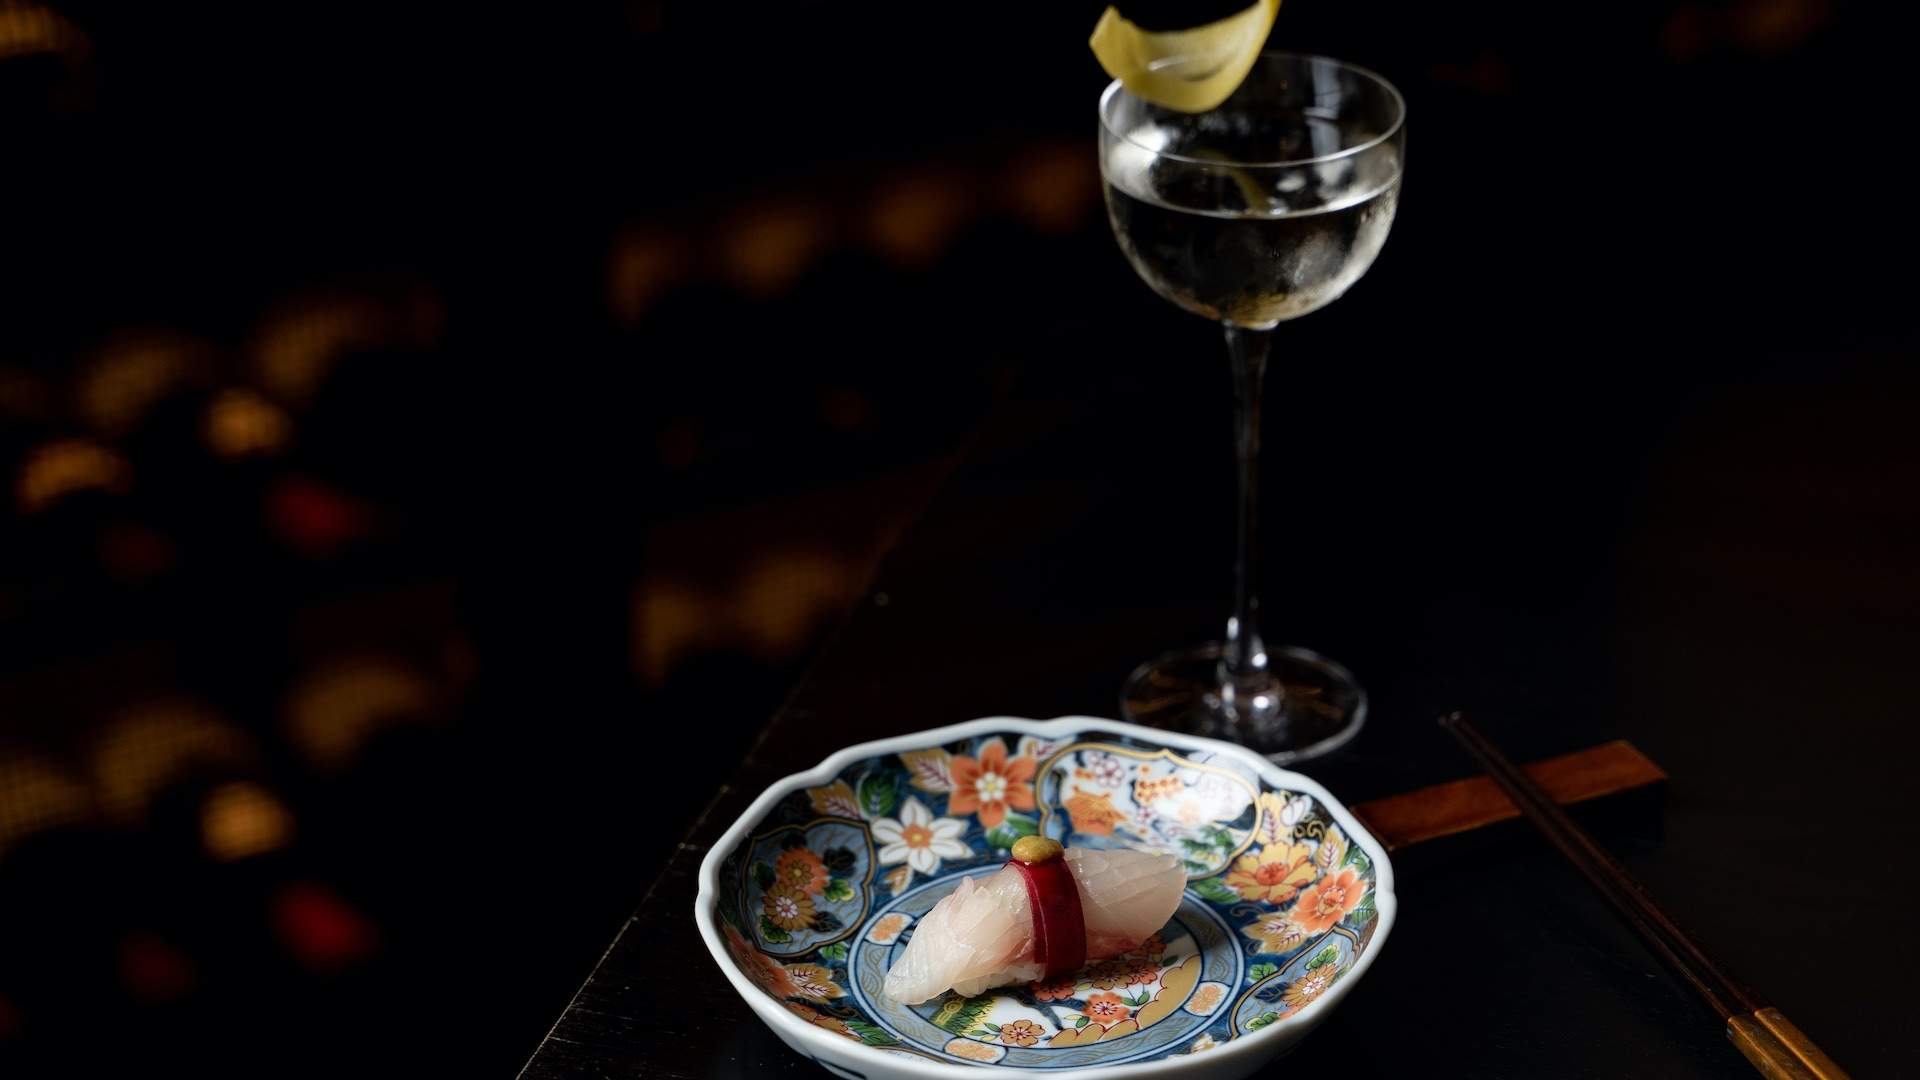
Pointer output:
919, 839
1204, 1042
1296, 809
1106, 770
992, 787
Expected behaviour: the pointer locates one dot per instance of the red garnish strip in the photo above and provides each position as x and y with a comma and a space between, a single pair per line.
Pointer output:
1059, 926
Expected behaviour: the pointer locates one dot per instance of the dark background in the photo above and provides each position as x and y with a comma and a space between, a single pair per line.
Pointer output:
419, 422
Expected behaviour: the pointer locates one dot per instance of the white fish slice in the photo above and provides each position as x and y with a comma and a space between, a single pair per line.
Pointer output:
981, 935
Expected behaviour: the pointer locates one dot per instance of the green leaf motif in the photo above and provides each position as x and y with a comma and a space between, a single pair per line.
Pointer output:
1213, 889
1260, 971
877, 795
763, 875
838, 890
825, 922
991, 1029
1194, 867
1328, 955
1221, 838
871, 1034
1357, 857
1195, 847
1262, 1020
1003, 835
839, 861
771, 932
835, 953
1080, 1023
959, 1015
1364, 914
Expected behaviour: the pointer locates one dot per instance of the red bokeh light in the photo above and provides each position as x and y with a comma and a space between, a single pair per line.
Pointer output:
321, 931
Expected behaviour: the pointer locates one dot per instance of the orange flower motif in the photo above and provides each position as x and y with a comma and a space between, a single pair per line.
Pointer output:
991, 784
801, 869
1107, 1008
1093, 814
1311, 985
1021, 1033
975, 1051
758, 966
1058, 990
1204, 999
788, 907
887, 929
1329, 901
1275, 875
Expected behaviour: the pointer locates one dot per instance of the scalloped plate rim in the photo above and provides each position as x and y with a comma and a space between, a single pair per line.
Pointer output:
1247, 1052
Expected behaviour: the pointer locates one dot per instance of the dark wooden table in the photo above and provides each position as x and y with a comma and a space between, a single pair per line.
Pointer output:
1738, 604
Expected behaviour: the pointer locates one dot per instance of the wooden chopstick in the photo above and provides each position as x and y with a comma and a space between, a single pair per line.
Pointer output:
1768, 1039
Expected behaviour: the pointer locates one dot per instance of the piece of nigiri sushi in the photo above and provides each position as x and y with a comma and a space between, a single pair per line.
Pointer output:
982, 935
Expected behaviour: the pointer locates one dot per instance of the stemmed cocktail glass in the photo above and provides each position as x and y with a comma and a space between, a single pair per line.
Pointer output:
1257, 211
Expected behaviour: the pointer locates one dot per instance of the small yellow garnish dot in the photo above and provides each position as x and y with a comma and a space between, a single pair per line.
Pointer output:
1036, 849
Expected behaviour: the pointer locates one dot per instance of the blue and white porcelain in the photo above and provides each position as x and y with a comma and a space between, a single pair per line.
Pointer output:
809, 898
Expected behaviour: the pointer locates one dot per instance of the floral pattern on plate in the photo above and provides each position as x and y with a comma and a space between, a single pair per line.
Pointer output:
824, 896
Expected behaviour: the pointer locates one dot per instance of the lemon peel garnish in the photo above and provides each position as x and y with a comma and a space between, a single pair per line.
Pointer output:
1188, 70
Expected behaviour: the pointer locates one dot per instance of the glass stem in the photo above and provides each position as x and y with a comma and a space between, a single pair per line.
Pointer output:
1246, 654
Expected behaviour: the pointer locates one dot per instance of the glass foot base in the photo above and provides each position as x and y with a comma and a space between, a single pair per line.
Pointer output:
1317, 708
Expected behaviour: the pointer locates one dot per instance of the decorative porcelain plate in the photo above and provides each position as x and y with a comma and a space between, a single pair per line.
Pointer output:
810, 897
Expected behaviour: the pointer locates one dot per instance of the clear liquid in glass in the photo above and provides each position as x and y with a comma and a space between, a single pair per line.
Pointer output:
1220, 243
